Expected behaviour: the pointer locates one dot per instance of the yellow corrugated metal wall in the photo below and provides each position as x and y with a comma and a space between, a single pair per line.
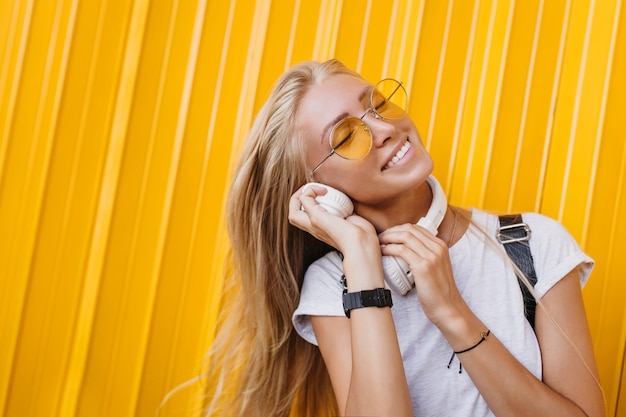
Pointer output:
119, 122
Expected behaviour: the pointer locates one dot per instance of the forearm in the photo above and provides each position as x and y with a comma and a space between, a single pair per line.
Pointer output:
378, 383
505, 384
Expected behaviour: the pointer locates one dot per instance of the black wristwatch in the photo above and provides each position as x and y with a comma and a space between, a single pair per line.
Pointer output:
379, 297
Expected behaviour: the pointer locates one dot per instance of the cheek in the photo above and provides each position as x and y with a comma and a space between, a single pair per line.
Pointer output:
346, 175
315, 148
315, 153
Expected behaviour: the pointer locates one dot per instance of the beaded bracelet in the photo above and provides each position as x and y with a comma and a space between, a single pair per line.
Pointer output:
483, 337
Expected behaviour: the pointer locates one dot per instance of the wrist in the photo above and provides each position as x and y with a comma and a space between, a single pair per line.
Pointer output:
460, 331
363, 272
451, 315
364, 279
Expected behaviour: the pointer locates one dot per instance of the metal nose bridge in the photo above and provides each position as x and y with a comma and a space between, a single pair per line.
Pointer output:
375, 114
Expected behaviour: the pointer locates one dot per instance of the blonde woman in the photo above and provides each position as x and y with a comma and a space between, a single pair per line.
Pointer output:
454, 342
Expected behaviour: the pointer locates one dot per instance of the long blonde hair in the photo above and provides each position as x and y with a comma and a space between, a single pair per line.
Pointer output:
258, 365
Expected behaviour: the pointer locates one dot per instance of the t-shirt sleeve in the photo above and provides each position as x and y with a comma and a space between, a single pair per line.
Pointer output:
555, 253
320, 295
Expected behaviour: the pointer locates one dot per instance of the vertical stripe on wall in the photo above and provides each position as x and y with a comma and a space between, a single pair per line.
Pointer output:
120, 124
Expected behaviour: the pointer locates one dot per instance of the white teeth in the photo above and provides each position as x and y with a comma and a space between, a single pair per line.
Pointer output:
399, 155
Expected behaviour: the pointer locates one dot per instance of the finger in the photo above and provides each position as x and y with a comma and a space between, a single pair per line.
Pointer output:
311, 199
306, 213
411, 253
424, 262
312, 189
413, 242
297, 214
300, 195
294, 201
308, 203
405, 233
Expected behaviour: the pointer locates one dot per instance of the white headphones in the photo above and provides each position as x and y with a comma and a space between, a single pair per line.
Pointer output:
398, 276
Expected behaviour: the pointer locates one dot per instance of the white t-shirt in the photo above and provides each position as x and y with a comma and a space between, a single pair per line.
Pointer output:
489, 286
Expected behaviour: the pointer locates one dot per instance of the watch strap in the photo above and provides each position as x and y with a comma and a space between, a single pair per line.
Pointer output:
379, 297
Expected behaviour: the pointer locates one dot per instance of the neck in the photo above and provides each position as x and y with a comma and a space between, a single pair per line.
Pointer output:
412, 206
454, 225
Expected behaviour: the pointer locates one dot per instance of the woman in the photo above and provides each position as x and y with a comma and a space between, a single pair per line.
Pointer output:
290, 255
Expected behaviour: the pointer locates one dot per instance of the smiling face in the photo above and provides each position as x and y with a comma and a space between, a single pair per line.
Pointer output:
397, 161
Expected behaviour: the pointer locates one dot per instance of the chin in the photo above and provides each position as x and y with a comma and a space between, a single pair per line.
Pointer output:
423, 164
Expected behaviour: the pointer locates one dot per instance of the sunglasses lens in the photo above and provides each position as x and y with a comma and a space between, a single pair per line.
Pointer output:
351, 138
389, 99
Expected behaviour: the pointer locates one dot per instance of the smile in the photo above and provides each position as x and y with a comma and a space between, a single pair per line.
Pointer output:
398, 156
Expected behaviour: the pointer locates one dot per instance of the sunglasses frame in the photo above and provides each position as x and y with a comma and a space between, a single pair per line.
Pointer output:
375, 114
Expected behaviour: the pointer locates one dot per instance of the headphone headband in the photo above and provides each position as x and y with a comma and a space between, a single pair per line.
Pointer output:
437, 209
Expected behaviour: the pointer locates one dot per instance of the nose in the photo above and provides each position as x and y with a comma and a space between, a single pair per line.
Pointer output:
380, 128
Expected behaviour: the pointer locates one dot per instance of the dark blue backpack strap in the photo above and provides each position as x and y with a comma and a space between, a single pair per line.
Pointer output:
514, 235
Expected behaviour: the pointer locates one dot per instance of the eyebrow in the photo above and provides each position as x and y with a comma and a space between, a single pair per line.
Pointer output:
364, 91
333, 123
343, 115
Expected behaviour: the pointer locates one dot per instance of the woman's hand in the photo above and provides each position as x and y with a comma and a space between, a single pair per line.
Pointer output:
429, 262
307, 214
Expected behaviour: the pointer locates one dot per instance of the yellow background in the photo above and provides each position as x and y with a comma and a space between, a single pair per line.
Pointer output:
119, 122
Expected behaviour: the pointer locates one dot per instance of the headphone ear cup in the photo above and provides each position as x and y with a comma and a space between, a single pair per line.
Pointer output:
334, 201
398, 276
